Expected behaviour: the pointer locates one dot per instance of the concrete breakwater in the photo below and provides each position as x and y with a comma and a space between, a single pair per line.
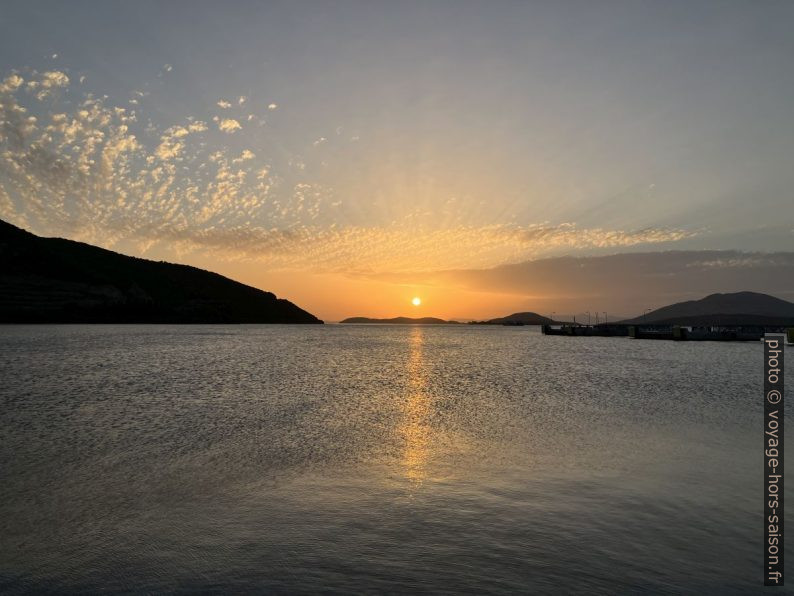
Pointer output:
586, 330
669, 332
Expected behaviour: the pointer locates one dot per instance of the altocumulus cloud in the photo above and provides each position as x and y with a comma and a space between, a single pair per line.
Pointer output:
103, 173
229, 125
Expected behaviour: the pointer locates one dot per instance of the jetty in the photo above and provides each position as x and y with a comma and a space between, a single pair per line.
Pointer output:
575, 330
670, 332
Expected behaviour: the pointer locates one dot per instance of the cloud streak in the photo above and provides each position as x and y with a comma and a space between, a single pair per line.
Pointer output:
622, 284
632, 281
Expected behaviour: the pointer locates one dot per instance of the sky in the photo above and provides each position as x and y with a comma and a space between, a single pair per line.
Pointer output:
349, 156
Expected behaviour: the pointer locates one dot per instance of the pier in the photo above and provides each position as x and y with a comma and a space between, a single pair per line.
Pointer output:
670, 332
586, 330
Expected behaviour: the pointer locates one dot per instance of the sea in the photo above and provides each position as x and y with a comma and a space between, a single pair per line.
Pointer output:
377, 459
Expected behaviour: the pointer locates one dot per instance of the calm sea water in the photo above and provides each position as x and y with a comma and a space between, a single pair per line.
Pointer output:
297, 459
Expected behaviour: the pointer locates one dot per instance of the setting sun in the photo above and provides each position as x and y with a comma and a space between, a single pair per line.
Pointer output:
416, 301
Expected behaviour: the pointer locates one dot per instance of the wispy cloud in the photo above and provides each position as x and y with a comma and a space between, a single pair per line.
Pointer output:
398, 249
541, 236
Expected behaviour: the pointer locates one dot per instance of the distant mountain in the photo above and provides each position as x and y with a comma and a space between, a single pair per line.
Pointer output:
739, 308
398, 321
517, 318
52, 280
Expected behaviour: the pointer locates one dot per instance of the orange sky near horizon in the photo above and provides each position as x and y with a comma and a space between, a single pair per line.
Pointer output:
360, 157
333, 297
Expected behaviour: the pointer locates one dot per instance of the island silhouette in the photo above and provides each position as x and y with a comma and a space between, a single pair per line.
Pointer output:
398, 321
737, 309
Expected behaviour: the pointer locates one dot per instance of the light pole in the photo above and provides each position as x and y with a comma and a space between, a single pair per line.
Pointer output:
587, 312
606, 321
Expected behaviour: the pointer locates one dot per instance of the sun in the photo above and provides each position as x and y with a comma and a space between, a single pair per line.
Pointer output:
416, 301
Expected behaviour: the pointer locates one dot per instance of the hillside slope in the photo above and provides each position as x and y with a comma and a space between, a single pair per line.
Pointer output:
723, 309
52, 280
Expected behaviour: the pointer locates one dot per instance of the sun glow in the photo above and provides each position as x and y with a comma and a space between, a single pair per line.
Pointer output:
416, 301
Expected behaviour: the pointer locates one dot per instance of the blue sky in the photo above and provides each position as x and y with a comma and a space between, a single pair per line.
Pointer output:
366, 138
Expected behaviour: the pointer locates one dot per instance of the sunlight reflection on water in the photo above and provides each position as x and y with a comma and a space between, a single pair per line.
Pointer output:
415, 428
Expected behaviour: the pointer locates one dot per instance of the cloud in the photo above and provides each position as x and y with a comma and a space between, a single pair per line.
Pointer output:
631, 282
169, 148
11, 83
244, 156
543, 236
54, 78
47, 83
229, 125
398, 249
87, 169
623, 284
730, 260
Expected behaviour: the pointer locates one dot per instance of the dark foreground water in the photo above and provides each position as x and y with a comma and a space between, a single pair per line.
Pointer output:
282, 459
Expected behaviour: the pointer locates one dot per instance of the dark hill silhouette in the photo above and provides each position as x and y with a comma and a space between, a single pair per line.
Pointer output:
739, 308
52, 280
518, 318
398, 321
